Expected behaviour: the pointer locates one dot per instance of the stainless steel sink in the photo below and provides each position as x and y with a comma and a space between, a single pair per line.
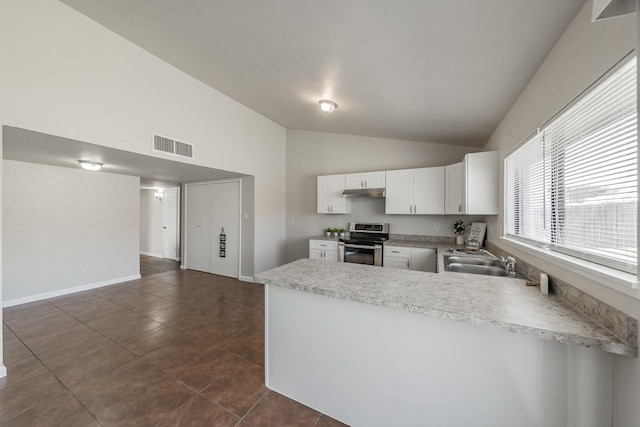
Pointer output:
483, 266
472, 261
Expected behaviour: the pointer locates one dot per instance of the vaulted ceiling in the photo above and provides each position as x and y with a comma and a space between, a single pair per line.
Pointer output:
442, 71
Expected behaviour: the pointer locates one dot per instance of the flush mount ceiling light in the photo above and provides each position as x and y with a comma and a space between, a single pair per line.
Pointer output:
90, 166
327, 106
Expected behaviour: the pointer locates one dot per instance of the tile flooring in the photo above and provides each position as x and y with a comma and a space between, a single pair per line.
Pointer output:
175, 348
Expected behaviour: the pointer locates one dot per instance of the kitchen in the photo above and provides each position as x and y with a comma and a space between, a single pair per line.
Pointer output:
287, 165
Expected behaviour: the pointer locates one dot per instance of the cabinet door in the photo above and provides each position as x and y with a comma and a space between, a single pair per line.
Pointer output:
480, 189
338, 203
354, 181
323, 195
423, 259
453, 189
399, 198
428, 191
316, 253
374, 179
392, 262
330, 255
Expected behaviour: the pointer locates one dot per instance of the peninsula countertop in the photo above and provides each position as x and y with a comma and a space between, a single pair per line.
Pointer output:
496, 302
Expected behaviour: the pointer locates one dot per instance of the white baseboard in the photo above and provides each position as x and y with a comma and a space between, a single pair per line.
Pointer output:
151, 254
183, 267
246, 279
68, 291
3, 371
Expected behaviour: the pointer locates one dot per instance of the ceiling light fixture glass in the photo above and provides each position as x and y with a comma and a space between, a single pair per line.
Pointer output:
327, 106
90, 166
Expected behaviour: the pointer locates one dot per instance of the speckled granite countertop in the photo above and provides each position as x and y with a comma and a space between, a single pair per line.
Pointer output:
496, 302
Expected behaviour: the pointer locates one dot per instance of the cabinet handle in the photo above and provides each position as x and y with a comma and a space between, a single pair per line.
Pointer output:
395, 252
362, 184
415, 209
366, 184
409, 264
410, 209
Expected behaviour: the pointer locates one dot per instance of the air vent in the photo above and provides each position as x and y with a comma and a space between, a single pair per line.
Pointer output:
171, 146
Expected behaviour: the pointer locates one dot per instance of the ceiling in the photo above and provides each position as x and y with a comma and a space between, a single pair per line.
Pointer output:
35, 147
444, 71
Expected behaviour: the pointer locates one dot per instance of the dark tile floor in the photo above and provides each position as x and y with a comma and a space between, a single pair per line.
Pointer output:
175, 348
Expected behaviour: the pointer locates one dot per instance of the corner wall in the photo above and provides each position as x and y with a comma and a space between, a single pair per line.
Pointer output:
584, 53
58, 222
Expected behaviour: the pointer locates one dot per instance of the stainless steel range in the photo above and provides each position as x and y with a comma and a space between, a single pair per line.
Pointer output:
364, 244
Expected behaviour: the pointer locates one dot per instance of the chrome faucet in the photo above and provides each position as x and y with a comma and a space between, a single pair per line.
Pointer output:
509, 264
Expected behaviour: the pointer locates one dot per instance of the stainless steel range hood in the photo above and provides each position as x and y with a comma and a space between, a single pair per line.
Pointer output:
365, 192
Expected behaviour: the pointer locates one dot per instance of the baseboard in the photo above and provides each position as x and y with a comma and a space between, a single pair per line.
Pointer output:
68, 291
245, 279
3, 371
183, 267
151, 254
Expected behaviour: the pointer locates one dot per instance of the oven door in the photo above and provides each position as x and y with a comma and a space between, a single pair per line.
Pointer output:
360, 254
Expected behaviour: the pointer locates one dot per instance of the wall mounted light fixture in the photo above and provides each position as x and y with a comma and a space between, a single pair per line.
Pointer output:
90, 166
327, 106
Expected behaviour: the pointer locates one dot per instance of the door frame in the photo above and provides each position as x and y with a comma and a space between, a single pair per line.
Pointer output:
183, 264
177, 224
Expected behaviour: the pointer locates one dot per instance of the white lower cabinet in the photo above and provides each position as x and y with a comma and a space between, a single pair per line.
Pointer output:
323, 249
417, 259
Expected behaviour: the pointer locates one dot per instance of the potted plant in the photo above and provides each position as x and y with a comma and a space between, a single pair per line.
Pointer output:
458, 229
341, 232
327, 231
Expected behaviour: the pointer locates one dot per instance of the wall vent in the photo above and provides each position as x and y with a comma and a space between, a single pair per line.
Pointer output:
172, 146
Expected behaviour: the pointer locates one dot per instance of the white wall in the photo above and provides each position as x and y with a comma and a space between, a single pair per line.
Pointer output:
310, 154
585, 52
58, 221
150, 224
65, 75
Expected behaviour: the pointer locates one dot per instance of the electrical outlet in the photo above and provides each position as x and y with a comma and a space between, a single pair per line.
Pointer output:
437, 226
245, 216
87, 270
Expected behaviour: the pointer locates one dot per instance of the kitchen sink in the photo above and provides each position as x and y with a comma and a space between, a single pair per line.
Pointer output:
470, 261
483, 266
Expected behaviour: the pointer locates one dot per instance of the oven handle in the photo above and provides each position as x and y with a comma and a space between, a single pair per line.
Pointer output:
346, 245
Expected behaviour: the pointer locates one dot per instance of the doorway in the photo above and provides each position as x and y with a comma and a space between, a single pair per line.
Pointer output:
160, 223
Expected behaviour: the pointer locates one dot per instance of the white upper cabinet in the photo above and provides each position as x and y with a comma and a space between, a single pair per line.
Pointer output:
472, 186
453, 188
355, 181
415, 191
330, 200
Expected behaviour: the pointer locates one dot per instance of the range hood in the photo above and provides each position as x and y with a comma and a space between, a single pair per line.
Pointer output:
364, 192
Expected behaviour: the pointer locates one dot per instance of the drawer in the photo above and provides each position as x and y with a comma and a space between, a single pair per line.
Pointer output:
397, 251
324, 244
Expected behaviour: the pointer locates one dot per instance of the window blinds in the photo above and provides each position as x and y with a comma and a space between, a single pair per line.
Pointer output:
572, 186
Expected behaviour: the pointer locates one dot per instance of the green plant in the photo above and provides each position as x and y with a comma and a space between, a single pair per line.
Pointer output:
328, 230
341, 230
458, 227
335, 230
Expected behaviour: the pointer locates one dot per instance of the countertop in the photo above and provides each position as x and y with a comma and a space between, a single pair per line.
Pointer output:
496, 302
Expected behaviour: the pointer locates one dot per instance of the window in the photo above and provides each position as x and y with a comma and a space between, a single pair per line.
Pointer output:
572, 187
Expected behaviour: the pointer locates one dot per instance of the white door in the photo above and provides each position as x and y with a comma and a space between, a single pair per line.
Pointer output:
198, 226
225, 213
170, 224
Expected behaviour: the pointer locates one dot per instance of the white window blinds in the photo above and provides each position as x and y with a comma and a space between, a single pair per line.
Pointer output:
572, 187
